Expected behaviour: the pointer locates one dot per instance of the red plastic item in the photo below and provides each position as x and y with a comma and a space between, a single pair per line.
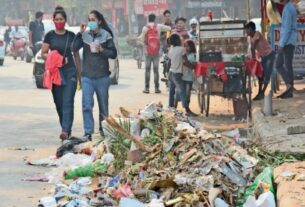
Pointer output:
122, 191
202, 69
254, 67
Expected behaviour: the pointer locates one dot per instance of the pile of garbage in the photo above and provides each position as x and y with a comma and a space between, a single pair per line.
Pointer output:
155, 158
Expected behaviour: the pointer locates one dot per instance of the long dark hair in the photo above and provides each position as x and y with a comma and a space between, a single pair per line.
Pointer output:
192, 46
103, 24
60, 10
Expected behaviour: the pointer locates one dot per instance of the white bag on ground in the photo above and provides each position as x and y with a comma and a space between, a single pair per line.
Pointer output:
264, 200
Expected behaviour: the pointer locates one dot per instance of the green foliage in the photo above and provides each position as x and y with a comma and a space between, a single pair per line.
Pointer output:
120, 144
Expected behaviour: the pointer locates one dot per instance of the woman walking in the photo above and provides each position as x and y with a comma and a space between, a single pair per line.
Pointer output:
98, 47
60, 40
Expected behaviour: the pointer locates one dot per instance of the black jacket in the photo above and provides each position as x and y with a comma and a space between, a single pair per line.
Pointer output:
95, 65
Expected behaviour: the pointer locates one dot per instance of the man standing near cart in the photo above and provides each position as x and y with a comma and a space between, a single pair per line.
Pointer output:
288, 40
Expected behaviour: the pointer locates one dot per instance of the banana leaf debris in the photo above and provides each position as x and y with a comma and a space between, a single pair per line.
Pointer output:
156, 158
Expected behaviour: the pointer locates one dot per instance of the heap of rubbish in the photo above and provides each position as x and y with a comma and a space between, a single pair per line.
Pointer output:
158, 158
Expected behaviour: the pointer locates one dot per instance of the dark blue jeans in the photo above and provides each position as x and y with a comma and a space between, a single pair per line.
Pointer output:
188, 86
64, 98
284, 64
176, 84
101, 87
148, 62
267, 63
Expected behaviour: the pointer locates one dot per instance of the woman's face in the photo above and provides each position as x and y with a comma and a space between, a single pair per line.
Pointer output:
187, 48
92, 18
59, 18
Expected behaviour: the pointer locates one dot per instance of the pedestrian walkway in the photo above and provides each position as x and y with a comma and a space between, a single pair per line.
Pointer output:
285, 131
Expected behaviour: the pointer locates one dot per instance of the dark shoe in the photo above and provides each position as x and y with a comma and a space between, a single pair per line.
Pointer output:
286, 94
88, 137
175, 104
146, 91
157, 91
259, 96
188, 112
64, 135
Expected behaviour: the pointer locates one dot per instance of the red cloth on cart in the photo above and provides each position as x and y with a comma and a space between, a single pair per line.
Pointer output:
202, 69
254, 67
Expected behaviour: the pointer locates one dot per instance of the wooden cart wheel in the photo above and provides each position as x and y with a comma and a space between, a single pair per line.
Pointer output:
248, 93
203, 94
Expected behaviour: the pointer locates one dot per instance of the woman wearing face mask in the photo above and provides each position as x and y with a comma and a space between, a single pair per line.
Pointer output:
98, 47
60, 40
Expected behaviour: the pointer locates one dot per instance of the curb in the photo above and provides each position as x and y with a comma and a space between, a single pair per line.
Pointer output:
271, 137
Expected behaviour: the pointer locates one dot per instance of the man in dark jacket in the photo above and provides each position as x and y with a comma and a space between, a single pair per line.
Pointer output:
36, 31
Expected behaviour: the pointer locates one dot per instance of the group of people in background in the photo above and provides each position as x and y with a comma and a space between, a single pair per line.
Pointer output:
180, 45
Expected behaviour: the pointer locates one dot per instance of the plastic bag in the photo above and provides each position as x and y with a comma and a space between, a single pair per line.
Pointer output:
86, 171
263, 180
264, 200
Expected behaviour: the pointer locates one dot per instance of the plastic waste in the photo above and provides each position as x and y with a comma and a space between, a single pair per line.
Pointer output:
86, 171
69, 144
234, 177
71, 160
264, 200
265, 178
77, 203
149, 112
122, 191
47, 202
81, 186
128, 202
107, 159
220, 203
114, 181
204, 183
47, 162
156, 203
185, 127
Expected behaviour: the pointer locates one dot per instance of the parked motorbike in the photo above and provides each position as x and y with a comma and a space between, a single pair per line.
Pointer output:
17, 46
138, 55
166, 66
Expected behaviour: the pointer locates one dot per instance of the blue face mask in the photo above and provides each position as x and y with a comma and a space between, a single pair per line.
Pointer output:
92, 25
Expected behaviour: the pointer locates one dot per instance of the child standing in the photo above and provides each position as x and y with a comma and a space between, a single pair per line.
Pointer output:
176, 82
188, 68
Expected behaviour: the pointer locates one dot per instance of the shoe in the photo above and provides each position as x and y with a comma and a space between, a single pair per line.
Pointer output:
188, 112
88, 137
146, 91
157, 91
259, 96
64, 135
286, 94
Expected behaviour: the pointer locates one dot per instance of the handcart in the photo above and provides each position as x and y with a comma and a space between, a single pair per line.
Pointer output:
222, 69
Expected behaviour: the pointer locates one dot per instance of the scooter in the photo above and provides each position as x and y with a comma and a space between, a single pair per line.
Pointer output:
17, 46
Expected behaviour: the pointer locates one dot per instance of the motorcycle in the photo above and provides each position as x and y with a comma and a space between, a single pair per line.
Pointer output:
166, 66
138, 55
17, 46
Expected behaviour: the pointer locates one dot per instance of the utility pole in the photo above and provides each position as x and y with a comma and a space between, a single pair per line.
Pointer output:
129, 13
248, 10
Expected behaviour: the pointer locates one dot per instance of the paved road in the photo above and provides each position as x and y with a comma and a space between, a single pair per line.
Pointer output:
28, 119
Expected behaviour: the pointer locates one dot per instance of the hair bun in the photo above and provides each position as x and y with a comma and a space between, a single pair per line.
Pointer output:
59, 8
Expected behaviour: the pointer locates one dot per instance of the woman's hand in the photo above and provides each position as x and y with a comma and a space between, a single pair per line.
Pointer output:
99, 48
82, 28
